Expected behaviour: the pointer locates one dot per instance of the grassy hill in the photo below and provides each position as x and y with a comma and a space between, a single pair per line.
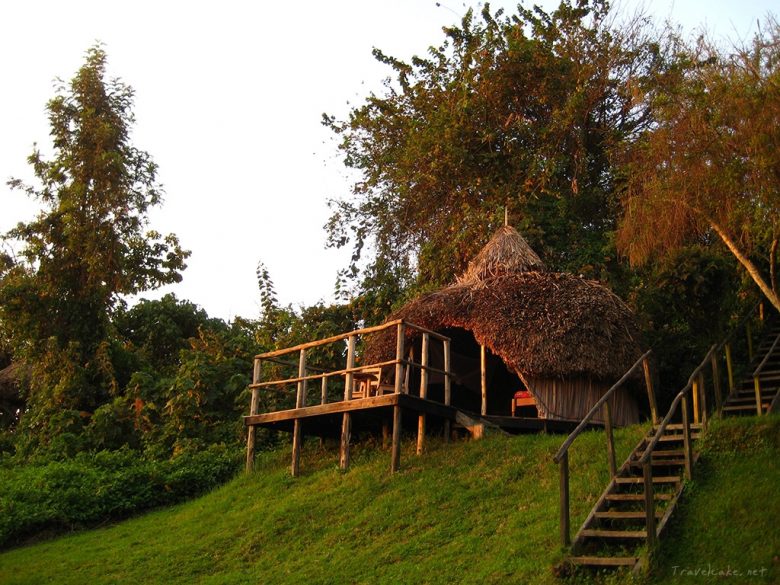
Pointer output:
469, 512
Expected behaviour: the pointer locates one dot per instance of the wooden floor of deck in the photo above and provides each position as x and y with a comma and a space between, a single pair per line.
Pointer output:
369, 413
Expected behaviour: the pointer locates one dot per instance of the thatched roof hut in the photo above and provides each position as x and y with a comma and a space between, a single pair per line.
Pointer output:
565, 339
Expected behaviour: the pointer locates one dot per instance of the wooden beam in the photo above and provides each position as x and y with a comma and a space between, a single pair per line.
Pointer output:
687, 439
395, 457
650, 390
729, 368
610, 439
757, 389
399, 356
300, 402
346, 421
253, 406
447, 387
703, 390
423, 392
324, 390
695, 392
564, 501
483, 377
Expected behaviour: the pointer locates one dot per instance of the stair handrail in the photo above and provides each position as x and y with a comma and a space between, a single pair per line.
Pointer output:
760, 367
757, 379
562, 456
592, 412
745, 318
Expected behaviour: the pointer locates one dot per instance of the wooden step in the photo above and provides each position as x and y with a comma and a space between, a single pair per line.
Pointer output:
677, 427
745, 407
633, 515
660, 462
667, 438
658, 479
601, 533
604, 561
636, 497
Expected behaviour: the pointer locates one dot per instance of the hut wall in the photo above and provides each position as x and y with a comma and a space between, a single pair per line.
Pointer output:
571, 399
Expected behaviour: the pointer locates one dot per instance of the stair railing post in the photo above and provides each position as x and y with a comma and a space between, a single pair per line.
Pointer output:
729, 368
610, 439
716, 383
702, 389
695, 392
447, 386
757, 388
647, 474
650, 391
687, 439
253, 405
565, 524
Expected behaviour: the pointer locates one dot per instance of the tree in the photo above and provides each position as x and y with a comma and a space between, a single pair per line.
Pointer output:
512, 112
709, 169
88, 246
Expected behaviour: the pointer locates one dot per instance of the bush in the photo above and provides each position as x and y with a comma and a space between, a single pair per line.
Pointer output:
91, 488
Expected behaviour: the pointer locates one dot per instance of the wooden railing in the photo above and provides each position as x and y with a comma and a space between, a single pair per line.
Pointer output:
307, 373
562, 456
757, 377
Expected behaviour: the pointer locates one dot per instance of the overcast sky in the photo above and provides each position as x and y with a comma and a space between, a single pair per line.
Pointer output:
229, 97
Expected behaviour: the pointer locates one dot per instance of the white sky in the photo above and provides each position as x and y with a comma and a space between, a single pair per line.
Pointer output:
229, 98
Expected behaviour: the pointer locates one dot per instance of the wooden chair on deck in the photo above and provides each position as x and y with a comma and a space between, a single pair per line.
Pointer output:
522, 398
369, 382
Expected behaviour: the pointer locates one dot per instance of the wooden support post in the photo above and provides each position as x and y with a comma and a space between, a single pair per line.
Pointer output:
250, 435
399, 356
650, 391
565, 523
324, 390
688, 453
610, 439
729, 368
300, 402
423, 392
757, 388
483, 377
395, 457
749, 335
695, 392
346, 419
647, 474
703, 391
716, 384
447, 387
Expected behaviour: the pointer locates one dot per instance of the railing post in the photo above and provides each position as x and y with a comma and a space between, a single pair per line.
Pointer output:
695, 392
423, 392
324, 390
250, 435
729, 368
610, 439
447, 386
757, 388
650, 391
399, 357
647, 474
565, 526
716, 383
687, 439
703, 390
300, 402
346, 419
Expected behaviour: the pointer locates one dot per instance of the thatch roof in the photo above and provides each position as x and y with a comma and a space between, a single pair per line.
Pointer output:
541, 324
506, 252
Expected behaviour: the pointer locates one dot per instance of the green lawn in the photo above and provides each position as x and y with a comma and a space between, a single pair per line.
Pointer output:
470, 512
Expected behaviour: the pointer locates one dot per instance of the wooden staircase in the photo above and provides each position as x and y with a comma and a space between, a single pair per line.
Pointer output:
616, 529
762, 379
623, 527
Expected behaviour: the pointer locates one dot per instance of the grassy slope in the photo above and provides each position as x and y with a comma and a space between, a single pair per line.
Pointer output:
470, 512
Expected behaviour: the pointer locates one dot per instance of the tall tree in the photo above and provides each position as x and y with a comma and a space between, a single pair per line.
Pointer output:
516, 112
87, 247
709, 169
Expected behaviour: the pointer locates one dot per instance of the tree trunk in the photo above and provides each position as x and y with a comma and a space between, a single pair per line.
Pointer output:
772, 265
